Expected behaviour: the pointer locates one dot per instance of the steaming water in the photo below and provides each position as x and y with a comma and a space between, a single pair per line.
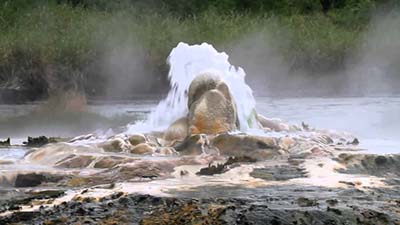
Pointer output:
188, 61
374, 120
20, 121
11, 154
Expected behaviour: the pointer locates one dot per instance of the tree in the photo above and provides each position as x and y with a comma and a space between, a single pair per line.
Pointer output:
326, 5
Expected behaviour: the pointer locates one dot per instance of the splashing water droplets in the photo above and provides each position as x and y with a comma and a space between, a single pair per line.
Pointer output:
188, 61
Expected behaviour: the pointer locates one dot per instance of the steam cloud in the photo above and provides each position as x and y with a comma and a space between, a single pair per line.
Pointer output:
124, 63
375, 67
371, 69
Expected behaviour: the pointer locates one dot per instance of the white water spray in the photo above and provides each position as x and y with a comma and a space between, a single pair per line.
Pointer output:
188, 61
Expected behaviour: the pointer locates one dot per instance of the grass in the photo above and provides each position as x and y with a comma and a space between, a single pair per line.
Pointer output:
77, 36
62, 34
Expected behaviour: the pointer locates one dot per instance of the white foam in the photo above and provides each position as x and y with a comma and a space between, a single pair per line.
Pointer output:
188, 61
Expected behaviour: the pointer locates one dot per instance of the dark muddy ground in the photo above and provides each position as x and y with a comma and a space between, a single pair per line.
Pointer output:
278, 204
271, 205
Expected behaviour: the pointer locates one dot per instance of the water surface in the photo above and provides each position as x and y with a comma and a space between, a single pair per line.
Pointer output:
374, 120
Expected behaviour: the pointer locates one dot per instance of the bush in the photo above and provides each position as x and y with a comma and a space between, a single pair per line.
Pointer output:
77, 34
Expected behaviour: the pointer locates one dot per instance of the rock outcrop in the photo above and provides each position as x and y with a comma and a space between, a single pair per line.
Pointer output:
5, 143
211, 108
178, 130
40, 141
200, 85
371, 164
35, 179
272, 124
246, 145
137, 139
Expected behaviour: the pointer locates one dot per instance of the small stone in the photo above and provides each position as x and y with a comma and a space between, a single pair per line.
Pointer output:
332, 202
212, 170
380, 160
166, 151
355, 142
192, 145
142, 149
306, 202
177, 131
184, 173
137, 139
115, 145
305, 126
334, 210
6, 142
273, 124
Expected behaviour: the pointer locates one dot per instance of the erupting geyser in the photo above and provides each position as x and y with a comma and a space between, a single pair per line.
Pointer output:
186, 63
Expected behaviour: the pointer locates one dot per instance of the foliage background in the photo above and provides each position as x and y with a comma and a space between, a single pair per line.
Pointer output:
97, 46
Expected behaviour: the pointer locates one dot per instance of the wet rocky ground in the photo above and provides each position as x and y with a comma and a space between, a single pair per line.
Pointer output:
271, 205
288, 196
300, 177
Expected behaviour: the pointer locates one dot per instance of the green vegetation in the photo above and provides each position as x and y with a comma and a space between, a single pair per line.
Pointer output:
75, 34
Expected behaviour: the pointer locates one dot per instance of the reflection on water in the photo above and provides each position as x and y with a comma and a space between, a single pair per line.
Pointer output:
375, 120
20, 121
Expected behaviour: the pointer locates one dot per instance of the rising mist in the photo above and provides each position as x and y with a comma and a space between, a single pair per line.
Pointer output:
369, 68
